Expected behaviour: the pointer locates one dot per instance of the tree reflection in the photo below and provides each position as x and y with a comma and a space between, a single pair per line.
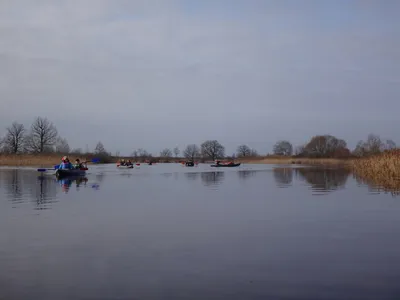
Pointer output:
14, 183
324, 179
44, 193
246, 174
283, 176
22, 186
212, 178
192, 175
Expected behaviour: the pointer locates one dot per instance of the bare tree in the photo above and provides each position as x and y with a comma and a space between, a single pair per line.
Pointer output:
191, 152
283, 148
300, 150
373, 145
42, 137
325, 146
390, 144
166, 153
243, 151
14, 139
99, 149
253, 153
212, 149
176, 151
76, 151
1, 144
62, 146
135, 154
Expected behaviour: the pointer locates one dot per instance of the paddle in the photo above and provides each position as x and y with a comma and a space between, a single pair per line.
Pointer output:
44, 170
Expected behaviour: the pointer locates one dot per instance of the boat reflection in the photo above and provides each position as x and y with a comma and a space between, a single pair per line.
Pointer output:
67, 182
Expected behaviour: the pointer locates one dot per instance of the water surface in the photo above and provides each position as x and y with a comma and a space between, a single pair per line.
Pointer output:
173, 232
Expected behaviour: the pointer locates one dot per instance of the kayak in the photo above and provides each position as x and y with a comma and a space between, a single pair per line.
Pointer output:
189, 164
125, 167
226, 165
70, 172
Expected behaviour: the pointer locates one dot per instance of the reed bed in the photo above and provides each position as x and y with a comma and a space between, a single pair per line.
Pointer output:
381, 170
299, 161
31, 160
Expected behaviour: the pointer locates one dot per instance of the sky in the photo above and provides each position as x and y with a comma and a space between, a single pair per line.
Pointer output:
163, 73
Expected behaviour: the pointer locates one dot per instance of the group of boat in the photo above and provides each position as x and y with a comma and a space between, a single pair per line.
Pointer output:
62, 173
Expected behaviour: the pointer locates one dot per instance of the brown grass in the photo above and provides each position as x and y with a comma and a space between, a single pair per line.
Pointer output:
24, 160
290, 160
382, 170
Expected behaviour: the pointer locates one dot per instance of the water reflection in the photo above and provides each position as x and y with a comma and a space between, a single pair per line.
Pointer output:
283, 177
323, 180
45, 192
20, 185
212, 178
192, 175
246, 174
387, 186
100, 177
66, 183
14, 182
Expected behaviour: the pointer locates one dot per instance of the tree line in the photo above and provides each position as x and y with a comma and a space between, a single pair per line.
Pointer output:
42, 137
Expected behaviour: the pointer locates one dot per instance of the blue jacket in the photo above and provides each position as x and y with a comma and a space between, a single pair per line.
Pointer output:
67, 165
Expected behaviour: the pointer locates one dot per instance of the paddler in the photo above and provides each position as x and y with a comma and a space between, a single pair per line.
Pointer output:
78, 164
65, 163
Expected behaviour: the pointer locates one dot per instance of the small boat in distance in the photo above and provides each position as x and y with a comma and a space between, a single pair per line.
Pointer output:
225, 165
124, 166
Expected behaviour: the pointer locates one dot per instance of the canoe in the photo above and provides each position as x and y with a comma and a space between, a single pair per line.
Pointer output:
125, 167
226, 165
70, 172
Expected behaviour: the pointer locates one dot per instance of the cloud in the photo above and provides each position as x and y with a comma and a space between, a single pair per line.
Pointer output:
163, 73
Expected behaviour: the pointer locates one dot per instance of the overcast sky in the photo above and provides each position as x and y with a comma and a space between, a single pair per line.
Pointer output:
156, 74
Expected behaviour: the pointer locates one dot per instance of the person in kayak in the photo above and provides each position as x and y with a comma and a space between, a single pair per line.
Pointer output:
122, 162
78, 164
65, 164
129, 163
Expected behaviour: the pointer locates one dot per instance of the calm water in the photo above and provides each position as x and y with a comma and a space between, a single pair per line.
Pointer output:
173, 232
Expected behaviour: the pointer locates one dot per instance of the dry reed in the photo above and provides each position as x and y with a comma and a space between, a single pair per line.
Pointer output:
291, 160
381, 170
24, 160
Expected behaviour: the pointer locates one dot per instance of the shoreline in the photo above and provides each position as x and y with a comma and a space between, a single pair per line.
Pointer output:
382, 169
49, 160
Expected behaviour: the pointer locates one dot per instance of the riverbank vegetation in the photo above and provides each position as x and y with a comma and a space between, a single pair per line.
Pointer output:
381, 170
41, 144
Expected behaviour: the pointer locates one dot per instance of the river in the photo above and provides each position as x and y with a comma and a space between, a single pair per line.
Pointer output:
172, 232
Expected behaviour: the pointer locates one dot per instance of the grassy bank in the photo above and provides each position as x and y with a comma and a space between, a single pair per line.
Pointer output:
291, 160
381, 170
29, 160
49, 160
